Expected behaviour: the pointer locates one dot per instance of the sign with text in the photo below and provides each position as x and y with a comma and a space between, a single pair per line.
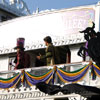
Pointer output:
76, 20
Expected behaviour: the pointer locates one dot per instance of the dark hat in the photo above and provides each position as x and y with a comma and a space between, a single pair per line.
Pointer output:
20, 43
48, 39
89, 30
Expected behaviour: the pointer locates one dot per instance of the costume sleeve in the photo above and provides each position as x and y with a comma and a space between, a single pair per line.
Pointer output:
15, 60
49, 53
27, 61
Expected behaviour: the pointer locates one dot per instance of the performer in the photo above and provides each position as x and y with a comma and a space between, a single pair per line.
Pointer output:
51, 54
22, 59
92, 46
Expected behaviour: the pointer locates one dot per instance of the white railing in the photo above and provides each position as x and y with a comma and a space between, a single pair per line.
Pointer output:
43, 69
32, 93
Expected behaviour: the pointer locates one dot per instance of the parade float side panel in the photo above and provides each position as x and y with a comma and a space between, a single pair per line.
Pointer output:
54, 23
61, 23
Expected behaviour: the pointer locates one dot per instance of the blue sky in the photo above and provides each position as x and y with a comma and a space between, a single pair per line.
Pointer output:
57, 4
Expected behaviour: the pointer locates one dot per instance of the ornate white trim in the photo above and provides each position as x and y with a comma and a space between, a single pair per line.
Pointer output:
72, 39
34, 95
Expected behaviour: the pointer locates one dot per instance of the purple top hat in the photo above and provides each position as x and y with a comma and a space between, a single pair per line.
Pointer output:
20, 43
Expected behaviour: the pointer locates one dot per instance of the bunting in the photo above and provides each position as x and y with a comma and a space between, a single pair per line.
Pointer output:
32, 79
65, 76
10, 82
72, 76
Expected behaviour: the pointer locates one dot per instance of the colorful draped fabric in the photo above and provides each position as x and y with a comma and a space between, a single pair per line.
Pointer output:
72, 76
32, 79
96, 69
64, 76
10, 82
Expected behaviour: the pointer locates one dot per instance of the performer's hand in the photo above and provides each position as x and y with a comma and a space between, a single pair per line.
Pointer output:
90, 63
15, 68
38, 57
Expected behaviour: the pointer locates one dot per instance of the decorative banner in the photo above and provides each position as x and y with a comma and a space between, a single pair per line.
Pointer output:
65, 76
96, 69
72, 76
32, 79
10, 82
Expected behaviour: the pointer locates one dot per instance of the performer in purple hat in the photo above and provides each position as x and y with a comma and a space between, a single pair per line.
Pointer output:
22, 59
